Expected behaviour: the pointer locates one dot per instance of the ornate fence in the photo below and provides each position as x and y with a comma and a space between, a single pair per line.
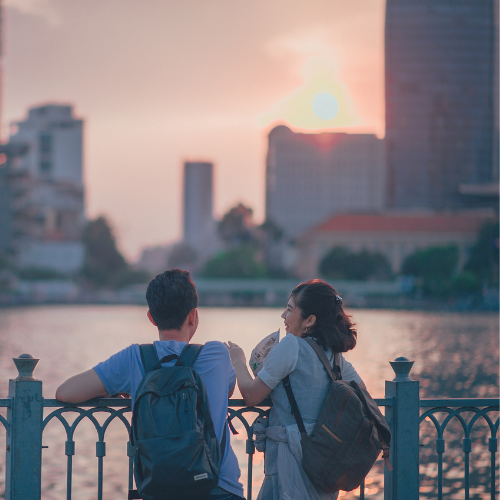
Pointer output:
25, 424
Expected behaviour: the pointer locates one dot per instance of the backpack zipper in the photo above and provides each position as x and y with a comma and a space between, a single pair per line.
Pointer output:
184, 397
344, 404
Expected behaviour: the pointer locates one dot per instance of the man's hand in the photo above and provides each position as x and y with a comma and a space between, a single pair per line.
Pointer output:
81, 387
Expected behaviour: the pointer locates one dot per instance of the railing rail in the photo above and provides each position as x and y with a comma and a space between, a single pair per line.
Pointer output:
405, 412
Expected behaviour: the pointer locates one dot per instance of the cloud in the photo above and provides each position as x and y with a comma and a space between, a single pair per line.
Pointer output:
44, 9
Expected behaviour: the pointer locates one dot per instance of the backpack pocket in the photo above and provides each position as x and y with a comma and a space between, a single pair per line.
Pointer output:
171, 466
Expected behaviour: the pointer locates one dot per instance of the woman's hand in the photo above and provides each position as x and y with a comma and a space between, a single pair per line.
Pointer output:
235, 353
252, 390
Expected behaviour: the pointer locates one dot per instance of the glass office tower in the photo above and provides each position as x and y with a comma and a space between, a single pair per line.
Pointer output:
441, 102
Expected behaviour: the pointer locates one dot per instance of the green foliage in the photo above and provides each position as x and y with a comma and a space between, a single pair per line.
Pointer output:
236, 263
342, 263
432, 263
435, 267
483, 260
37, 274
105, 266
466, 283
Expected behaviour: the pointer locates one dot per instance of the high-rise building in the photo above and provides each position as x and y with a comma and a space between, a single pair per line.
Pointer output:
43, 182
199, 224
312, 176
441, 101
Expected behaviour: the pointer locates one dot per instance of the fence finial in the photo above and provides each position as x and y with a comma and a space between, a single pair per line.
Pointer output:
401, 367
25, 365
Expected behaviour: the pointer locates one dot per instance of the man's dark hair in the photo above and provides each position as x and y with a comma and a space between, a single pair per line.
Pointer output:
171, 296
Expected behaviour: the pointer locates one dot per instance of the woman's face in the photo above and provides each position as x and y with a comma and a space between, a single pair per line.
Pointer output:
294, 323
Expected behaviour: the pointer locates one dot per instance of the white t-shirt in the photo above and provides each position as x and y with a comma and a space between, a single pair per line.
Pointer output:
282, 359
123, 372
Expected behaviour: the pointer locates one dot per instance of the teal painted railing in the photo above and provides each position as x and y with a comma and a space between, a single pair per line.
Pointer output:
25, 423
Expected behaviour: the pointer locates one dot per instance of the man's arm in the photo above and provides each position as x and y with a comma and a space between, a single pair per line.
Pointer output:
81, 387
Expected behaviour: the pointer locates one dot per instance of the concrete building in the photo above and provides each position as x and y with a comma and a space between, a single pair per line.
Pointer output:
395, 235
199, 228
311, 176
154, 259
441, 74
43, 182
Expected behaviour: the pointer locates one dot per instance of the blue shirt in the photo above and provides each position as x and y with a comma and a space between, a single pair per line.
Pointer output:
123, 372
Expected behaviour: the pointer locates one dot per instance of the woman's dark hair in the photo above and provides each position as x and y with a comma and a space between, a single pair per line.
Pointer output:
333, 328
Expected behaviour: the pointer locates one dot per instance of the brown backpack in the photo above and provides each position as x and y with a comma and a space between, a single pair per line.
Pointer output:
348, 436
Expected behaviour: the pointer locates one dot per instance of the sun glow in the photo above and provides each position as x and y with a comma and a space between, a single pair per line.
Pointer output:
323, 101
325, 106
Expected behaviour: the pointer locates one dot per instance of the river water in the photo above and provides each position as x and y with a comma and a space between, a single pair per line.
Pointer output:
456, 355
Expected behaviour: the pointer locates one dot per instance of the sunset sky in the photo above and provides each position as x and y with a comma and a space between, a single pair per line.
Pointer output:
159, 82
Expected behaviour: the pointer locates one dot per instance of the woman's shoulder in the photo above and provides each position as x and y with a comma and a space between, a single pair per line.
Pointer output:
287, 344
289, 338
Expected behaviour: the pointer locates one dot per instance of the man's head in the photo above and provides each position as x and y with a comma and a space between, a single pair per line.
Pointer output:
171, 297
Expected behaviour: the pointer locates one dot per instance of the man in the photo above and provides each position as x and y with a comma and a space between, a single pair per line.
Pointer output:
172, 302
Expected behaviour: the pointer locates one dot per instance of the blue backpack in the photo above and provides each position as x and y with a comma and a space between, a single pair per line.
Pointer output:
177, 455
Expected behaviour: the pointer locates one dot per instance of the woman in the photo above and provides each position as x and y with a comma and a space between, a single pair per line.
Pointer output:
314, 310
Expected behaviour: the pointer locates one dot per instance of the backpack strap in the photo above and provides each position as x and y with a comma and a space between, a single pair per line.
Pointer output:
333, 373
149, 357
293, 404
190, 354
150, 360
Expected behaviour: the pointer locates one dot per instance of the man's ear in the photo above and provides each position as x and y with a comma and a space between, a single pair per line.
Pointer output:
151, 317
192, 317
193, 320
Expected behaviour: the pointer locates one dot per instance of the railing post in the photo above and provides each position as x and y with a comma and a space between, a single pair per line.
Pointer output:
23, 470
402, 482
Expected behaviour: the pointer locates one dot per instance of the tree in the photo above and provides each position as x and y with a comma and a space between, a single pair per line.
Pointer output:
235, 228
342, 263
235, 263
466, 283
483, 260
270, 238
103, 262
435, 266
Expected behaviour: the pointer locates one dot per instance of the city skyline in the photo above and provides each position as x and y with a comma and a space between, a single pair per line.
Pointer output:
148, 108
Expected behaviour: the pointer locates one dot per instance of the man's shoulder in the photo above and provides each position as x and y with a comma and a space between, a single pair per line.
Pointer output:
128, 353
214, 349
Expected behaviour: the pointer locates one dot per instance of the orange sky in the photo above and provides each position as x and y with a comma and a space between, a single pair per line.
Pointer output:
162, 81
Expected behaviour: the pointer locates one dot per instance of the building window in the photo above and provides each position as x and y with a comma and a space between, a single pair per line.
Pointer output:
45, 143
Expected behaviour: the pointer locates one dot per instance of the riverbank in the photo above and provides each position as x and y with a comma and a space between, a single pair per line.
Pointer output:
395, 295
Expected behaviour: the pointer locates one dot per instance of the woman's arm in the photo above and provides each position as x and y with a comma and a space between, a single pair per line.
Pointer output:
253, 390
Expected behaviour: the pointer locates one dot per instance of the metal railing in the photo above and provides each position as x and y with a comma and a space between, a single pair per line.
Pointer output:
405, 411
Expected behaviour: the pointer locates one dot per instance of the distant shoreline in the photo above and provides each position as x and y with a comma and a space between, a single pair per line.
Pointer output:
394, 295
383, 303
